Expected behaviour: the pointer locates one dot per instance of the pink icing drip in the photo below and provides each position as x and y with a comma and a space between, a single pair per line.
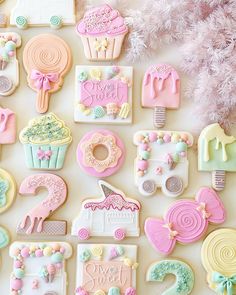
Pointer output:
102, 20
114, 201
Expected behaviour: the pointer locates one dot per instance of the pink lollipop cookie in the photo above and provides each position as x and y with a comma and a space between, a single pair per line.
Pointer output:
7, 126
186, 221
161, 90
108, 161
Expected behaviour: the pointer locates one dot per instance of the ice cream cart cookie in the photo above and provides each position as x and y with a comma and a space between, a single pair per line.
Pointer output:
39, 268
162, 161
112, 215
216, 153
161, 91
43, 13
106, 269
9, 65
103, 94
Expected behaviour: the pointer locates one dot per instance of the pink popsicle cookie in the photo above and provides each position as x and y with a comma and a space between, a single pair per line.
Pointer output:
186, 221
102, 31
161, 91
35, 221
106, 162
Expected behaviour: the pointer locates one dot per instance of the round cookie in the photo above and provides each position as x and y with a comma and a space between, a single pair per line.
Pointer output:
114, 149
7, 190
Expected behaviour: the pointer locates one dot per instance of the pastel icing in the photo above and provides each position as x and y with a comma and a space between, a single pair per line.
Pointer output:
102, 20
182, 271
7, 126
4, 237
7, 190
4, 186
219, 260
186, 221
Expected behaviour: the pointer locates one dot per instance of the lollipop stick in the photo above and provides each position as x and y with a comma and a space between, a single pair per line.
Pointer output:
159, 117
218, 180
42, 101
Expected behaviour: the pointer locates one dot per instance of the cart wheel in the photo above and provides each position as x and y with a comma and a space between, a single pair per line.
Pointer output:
55, 22
51, 293
174, 186
5, 84
119, 234
21, 22
83, 234
149, 187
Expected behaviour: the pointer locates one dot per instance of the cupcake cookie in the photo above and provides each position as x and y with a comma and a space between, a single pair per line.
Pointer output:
45, 141
102, 31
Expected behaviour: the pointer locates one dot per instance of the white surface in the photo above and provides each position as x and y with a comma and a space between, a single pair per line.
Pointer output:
81, 185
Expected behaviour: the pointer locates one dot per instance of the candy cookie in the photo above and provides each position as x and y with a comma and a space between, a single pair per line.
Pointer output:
9, 65
102, 31
162, 161
39, 268
186, 221
103, 94
161, 91
182, 271
106, 269
43, 13
7, 190
101, 153
47, 59
216, 153
7, 126
35, 221
113, 215
45, 140
219, 260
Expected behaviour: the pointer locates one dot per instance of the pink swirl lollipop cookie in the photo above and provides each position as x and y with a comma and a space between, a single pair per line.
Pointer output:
106, 162
186, 221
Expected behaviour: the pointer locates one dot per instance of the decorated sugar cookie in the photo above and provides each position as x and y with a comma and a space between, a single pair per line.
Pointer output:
103, 94
161, 91
186, 221
162, 161
9, 65
219, 260
106, 269
7, 190
7, 126
217, 154
4, 238
43, 13
104, 164
102, 31
47, 59
182, 271
45, 140
39, 268
112, 215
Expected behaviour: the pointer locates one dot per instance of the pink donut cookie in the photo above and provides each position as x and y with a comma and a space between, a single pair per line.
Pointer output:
101, 167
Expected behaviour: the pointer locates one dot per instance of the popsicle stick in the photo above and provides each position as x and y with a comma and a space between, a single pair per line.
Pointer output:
218, 180
42, 102
159, 117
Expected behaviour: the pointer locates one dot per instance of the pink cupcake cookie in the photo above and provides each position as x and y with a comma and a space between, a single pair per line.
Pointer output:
101, 153
102, 31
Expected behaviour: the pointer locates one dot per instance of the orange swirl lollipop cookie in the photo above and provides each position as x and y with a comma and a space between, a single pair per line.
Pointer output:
47, 59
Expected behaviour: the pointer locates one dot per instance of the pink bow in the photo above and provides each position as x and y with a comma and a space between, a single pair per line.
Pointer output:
172, 233
202, 208
43, 80
44, 155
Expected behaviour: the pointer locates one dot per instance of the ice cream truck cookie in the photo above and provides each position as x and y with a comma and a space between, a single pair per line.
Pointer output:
39, 268
9, 65
112, 215
43, 13
106, 269
162, 161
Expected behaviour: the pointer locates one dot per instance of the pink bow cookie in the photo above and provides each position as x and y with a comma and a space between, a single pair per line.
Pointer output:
44, 155
186, 221
43, 81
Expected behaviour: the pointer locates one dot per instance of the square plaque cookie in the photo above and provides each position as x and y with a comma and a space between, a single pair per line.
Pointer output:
103, 94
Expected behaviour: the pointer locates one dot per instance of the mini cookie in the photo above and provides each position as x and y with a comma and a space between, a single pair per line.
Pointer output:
103, 94
216, 153
101, 165
43, 13
182, 271
161, 91
45, 140
102, 31
162, 161
115, 214
219, 260
9, 65
186, 221
111, 273
34, 222
39, 268
47, 59
7, 190
7, 126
